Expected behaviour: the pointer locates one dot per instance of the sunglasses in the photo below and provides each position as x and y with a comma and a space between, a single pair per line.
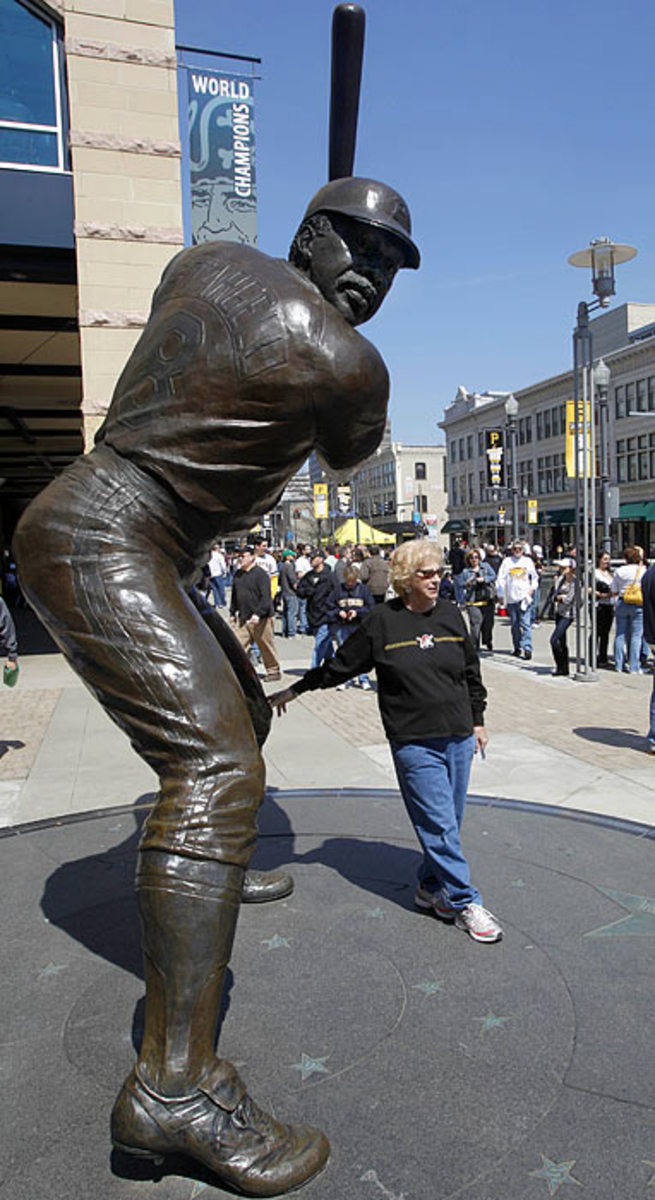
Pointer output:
427, 572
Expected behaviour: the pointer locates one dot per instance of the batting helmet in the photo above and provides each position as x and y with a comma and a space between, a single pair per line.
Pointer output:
374, 203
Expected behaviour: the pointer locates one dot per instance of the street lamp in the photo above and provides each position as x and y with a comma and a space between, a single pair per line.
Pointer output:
601, 382
511, 413
601, 256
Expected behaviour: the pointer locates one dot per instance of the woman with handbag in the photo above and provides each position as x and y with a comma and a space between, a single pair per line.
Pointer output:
603, 577
478, 580
626, 585
563, 599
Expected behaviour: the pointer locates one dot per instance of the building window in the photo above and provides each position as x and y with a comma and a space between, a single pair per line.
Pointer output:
629, 398
651, 393
651, 454
453, 450
540, 427
482, 483
641, 395
31, 109
547, 429
471, 489
481, 443
619, 402
642, 458
469, 447
420, 471
461, 449
420, 504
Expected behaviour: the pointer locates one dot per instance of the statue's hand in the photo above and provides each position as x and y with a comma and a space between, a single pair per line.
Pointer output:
279, 700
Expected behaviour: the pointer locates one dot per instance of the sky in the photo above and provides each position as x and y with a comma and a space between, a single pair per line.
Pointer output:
516, 131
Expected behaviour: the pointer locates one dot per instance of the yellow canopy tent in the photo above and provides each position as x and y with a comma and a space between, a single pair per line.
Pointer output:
348, 532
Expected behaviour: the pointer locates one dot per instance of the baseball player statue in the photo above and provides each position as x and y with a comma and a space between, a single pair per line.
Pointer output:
246, 365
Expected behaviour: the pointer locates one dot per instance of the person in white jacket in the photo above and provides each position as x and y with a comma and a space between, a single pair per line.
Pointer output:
516, 584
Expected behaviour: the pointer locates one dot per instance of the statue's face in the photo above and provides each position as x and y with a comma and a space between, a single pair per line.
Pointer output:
354, 265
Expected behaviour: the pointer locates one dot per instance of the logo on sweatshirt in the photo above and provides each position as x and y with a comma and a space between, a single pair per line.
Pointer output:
425, 641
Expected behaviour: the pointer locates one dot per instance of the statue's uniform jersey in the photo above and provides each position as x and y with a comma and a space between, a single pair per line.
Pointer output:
242, 370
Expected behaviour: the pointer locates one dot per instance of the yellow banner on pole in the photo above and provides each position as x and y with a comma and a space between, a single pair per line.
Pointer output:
320, 501
585, 465
533, 512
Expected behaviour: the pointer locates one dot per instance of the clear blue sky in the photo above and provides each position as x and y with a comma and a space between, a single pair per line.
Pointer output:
517, 130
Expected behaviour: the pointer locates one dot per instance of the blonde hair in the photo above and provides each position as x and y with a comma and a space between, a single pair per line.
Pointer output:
407, 559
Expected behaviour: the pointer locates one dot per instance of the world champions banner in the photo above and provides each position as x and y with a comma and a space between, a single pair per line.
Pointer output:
222, 157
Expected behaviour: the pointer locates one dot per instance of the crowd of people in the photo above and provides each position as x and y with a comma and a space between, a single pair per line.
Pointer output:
325, 593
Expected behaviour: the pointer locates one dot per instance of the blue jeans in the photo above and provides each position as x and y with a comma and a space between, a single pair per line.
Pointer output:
290, 615
302, 615
217, 585
323, 648
521, 626
433, 776
343, 632
651, 727
629, 630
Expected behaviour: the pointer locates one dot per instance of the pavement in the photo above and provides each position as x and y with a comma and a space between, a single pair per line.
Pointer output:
440, 1069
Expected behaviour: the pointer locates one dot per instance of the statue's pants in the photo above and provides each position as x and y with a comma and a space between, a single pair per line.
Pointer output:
106, 556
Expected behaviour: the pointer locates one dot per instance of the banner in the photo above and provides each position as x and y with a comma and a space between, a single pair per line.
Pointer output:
495, 456
320, 501
222, 157
584, 460
533, 512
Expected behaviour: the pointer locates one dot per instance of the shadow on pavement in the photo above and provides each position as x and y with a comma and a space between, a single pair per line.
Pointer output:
611, 736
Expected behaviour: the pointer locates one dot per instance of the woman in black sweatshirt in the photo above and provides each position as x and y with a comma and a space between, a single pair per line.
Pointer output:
432, 703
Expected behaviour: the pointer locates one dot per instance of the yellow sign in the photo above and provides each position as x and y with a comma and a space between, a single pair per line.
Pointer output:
501, 516
533, 512
585, 468
320, 501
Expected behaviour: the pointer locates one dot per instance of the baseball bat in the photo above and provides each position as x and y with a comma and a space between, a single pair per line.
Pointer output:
348, 21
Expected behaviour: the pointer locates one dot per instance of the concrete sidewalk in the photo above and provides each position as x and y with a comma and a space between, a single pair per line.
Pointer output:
554, 741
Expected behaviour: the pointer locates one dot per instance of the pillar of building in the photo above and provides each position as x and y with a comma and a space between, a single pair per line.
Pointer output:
125, 149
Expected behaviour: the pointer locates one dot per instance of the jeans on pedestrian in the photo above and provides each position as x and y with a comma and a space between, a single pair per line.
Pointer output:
290, 605
652, 721
433, 776
323, 647
217, 585
629, 630
303, 627
521, 626
558, 644
344, 632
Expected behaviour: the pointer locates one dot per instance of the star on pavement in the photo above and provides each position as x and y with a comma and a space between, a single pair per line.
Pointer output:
310, 1066
555, 1173
375, 912
491, 1022
429, 987
517, 883
276, 942
648, 1162
198, 1187
640, 921
52, 969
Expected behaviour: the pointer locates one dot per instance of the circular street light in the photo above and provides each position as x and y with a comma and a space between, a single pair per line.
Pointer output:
602, 256
511, 407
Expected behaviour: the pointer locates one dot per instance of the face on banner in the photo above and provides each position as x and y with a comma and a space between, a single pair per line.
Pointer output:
222, 157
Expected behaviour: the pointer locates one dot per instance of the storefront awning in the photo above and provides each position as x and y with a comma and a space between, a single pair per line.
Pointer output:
637, 510
456, 525
560, 516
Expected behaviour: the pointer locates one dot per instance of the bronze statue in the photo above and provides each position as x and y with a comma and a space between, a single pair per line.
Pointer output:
247, 363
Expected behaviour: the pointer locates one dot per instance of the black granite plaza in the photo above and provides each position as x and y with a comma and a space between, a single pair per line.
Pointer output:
439, 1068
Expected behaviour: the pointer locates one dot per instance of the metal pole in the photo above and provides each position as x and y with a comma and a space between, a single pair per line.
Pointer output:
582, 313
585, 464
603, 415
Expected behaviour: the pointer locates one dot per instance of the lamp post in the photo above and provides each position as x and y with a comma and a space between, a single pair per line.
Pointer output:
601, 256
601, 383
511, 413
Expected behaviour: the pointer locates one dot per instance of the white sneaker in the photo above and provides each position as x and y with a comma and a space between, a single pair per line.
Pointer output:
365, 686
433, 902
480, 924
341, 687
